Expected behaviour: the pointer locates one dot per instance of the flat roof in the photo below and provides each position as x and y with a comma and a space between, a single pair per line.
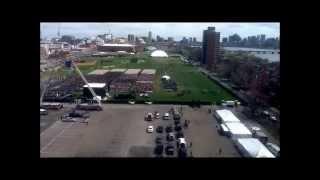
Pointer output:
255, 148
99, 72
227, 116
148, 71
237, 128
118, 45
132, 71
118, 70
96, 85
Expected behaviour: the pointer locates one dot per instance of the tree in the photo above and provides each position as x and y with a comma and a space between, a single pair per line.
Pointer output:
68, 38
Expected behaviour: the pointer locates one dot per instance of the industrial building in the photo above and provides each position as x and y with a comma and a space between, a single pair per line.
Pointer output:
210, 48
116, 47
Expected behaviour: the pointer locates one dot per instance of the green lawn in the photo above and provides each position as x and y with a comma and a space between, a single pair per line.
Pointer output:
196, 85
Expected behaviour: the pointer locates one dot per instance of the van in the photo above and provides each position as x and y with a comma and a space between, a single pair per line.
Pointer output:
43, 112
182, 143
166, 116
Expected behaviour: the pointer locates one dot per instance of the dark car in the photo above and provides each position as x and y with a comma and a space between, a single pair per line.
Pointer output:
176, 122
170, 136
159, 129
176, 116
159, 149
177, 128
179, 135
159, 140
169, 150
169, 129
182, 152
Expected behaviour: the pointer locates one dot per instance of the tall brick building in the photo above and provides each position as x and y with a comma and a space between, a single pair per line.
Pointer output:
210, 48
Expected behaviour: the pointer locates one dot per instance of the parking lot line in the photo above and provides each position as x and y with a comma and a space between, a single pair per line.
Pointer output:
54, 138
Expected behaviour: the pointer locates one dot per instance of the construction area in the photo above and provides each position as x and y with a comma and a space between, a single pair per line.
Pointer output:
78, 118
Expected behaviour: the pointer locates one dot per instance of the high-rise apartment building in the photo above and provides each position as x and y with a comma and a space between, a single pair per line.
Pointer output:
210, 48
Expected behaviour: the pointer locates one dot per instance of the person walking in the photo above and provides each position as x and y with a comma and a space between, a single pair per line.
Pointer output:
220, 151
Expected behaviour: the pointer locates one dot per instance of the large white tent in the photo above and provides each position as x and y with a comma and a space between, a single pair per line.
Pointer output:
238, 130
226, 116
251, 147
159, 53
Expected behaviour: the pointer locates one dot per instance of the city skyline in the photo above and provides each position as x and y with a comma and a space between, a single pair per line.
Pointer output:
175, 30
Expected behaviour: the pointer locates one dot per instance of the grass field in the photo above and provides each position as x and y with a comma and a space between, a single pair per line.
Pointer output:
196, 86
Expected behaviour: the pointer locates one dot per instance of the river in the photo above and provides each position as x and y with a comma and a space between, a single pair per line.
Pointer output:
275, 57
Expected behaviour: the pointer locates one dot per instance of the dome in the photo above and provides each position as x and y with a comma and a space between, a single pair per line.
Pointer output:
159, 53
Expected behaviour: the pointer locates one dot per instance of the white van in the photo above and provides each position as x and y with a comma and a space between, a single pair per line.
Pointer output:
43, 112
166, 116
182, 143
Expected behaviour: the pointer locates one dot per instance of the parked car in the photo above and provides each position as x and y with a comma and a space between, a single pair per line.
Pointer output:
150, 129
274, 149
159, 140
179, 135
157, 115
159, 129
170, 136
159, 149
182, 152
169, 150
166, 116
43, 112
169, 129
177, 128
176, 122
148, 117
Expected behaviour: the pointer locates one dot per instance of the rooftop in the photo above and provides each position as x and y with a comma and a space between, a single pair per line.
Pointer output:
118, 45
98, 72
227, 116
255, 148
148, 71
96, 85
132, 71
237, 128
118, 70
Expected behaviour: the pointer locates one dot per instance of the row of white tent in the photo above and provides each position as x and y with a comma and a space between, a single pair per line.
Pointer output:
241, 135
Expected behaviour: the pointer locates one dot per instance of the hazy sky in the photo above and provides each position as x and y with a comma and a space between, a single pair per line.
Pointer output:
175, 30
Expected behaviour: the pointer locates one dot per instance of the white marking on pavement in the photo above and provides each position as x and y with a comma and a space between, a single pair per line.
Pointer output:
54, 138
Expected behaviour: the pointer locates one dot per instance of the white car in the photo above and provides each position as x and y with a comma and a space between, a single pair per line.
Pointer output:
150, 129
166, 116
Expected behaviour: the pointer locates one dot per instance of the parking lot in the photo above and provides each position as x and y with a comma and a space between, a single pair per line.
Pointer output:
120, 131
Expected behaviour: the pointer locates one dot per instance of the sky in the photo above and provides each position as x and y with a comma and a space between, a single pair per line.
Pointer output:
175, 30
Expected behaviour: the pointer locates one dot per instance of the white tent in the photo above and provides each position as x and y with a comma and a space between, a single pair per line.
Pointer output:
238, 130
159, 53
165, 77
226, 116
251, 147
